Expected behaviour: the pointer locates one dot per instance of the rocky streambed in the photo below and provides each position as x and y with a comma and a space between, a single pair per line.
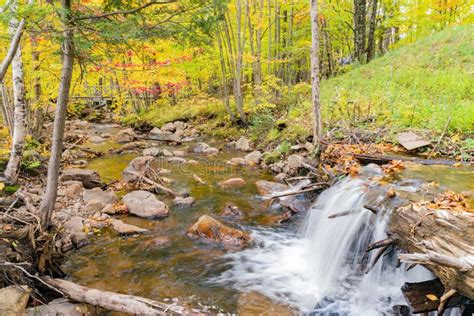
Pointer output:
166, 246
159, 214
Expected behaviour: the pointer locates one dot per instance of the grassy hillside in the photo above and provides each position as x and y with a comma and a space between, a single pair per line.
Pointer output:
417, 86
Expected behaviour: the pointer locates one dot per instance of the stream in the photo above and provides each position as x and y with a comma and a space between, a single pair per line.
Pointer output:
310, 265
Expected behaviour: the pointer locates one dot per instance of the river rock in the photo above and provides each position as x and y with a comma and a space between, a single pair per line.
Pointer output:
99, 195
211, 229
211, 151
232, 211
126, 229
176, 160
243, 144
13, 300
184, 201
145, 204
136, 167
96, 139
268, 187
76, 224
237, 161
295, 161
253, 158
152, 151
59, 307
92, 207
89, 178
199, 148
253, 303
73, 189
158, 134
166, 153
234, 183
280, 177
179, 153
156, 243
125, 136
296, 203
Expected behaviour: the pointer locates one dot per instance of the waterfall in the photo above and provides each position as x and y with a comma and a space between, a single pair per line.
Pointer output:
321, 268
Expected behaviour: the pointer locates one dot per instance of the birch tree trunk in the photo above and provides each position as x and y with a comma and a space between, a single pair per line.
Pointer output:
20, 112
47, 205
315, 100
225, 88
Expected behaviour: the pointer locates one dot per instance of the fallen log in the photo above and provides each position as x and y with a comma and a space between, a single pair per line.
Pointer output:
442, 241
154, 184
111, 301
382, 160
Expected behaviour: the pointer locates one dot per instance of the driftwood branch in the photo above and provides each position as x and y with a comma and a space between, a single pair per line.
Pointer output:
129, 304
382, 160
154, 184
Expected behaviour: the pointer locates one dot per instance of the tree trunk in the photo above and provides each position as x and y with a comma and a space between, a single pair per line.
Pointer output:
47, 205
225, 88
359, 29
239, 100
20, 112
15, 42
440, 240
372, 26
315, 100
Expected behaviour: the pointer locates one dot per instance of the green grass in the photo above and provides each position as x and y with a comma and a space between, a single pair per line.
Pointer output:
418, 85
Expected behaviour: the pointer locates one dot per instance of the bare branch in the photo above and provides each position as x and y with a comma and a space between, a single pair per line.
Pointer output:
124, 12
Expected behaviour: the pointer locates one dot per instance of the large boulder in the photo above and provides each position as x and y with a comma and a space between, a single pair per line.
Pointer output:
268, 187
234, 183
145, 204
89, 178
253, 158
211, 229
136, 167
165, 136
13, 299
243, 144
97, 194
125, 136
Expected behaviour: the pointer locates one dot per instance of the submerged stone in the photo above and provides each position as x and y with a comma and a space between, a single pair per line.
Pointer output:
268, 187
211, 229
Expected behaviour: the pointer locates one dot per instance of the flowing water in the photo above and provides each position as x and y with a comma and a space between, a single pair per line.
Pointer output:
313, 265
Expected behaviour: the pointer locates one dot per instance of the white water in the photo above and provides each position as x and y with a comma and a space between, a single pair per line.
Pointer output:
320, 268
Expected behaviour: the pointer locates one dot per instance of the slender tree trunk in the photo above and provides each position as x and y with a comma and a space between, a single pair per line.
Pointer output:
371, 37
239, 64
50, 195
6, 109
225, 88
317, 120
20, 112
328, 47
258, 54
359, 29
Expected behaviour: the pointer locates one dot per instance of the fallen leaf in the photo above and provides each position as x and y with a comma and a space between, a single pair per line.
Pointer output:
432, 297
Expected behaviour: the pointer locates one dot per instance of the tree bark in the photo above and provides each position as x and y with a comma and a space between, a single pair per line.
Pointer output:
440, 240
15, 42
20, 112
47, 205
359, 29
315, 99
372, 26
239, 100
